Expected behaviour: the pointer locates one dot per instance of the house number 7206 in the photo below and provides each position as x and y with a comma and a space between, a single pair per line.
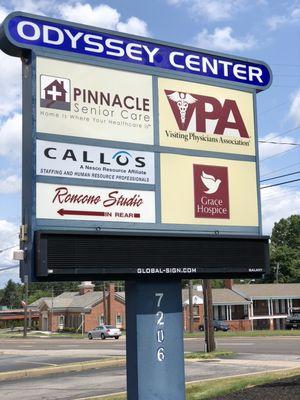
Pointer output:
160, 334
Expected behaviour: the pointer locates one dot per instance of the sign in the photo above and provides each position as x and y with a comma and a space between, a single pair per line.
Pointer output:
23, 31
81, 203
135, 137
211, 193
92, 162
138, 166
92, 102
206, 118
121, 256
203, 191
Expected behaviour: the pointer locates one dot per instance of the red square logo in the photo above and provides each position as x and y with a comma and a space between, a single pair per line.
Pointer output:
211, 192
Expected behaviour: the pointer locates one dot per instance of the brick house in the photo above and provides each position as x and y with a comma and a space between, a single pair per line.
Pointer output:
15, 317
270, 303
228, 306
80, 311
243, 307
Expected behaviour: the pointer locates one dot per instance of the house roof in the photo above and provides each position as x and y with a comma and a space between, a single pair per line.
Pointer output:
227, 296
38, 302
73, 300
219, 297
269, 290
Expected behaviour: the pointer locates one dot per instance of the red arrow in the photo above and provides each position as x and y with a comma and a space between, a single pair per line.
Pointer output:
63, 212
79, 212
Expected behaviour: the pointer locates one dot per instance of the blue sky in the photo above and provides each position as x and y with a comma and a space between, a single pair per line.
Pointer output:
267, 30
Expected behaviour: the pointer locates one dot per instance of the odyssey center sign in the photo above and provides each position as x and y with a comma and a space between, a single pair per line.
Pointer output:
136, 144
25, 31
139, 164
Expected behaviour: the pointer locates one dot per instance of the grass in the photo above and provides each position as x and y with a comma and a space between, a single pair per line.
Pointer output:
19, 334
208, 356
258, 333
219, 387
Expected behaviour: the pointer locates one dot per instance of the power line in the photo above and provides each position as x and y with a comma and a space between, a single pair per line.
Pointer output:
8, 248
284, 132
273, 108
5, 268
278, 154
280, 176
281, 183
280, 169
287, 143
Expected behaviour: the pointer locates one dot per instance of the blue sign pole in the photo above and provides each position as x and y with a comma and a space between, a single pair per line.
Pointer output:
154, 340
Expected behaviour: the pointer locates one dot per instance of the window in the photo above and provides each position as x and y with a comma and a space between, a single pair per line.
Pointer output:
61, 322
195, 311
101, 319
118, 319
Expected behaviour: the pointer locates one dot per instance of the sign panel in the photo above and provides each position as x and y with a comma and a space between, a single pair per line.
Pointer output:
94, 162
93, 102
208, 191
82, 203
208, 118
28, 31
63, 255
211, 192
106, 115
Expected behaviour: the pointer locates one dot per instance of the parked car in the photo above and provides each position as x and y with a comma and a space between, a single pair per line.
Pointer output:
218, 326
104, 331
293, 320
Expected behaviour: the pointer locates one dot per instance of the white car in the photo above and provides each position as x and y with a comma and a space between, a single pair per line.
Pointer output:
104, 331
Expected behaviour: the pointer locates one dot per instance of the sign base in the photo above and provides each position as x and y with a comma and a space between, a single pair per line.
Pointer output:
154, 341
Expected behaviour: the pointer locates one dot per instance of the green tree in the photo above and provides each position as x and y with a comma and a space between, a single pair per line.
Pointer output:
12, 294
285, 250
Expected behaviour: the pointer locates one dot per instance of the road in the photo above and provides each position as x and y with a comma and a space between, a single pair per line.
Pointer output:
78, 385
18, 354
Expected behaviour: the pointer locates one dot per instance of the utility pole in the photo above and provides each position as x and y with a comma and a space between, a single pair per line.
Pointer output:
104, 303
191, 306
25, 306
208, 316
82, 323
52, 299
277, 272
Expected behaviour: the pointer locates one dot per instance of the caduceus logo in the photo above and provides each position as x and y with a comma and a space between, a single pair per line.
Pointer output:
183, 100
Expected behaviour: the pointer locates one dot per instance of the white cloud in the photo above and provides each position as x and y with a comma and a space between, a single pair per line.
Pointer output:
8, 239
12, 274
222, 39
294, 111
270, 149
175, 2
102, 16
278, 202
10, 137
216, 10
3, 13
10, 184
292, 16
275, 21
10, 84
41, 7
133, 25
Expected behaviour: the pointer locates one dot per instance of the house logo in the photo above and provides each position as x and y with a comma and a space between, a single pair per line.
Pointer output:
211, 191
206, 114
55, 92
